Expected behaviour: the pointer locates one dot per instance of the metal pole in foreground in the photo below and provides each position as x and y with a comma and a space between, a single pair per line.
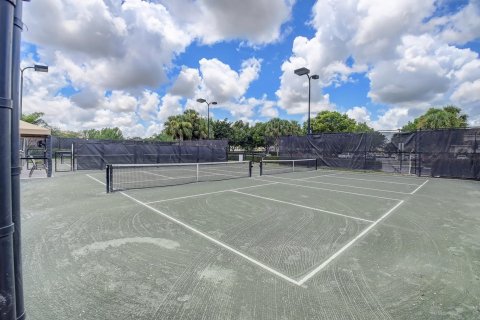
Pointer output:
16, 167
7, 270
309, 128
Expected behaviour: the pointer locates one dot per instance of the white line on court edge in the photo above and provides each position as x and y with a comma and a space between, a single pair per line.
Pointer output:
331, 190
302, 206
345, 247
349, 178
213, 192
419, 187
186, 226
342, 185
95, 179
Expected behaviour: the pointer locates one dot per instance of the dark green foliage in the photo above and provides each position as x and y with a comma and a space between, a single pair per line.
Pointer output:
104, 134
436, 118
186, 126
222, 129
34, 118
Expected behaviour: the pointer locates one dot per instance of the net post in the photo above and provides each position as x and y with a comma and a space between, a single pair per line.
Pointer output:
73, 157
250, 166
316, 164
197, 171
293, 165
261, 167
107, 178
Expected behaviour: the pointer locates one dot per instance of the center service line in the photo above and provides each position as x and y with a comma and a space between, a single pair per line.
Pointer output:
419, 187
223, 245
345, 247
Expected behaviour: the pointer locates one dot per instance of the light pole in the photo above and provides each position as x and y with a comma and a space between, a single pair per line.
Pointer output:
38, 68
301, 72
208, 113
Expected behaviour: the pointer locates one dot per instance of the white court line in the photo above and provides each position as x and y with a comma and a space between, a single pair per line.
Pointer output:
207, 193
302, 206
261, 265
343, 185
382, 181
223, 245
378, 174
420, 186
345, 247
96, 179
331, 190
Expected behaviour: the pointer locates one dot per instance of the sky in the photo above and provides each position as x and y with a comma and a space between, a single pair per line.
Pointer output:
131, 64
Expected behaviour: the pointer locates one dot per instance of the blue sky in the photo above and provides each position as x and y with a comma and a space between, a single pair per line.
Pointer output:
134, 64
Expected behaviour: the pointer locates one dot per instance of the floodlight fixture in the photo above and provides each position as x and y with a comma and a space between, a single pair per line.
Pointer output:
37, 68
201, 100
301, 72
40, 68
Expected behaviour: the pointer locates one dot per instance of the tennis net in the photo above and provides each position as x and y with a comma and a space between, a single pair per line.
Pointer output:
268, 167
137, 176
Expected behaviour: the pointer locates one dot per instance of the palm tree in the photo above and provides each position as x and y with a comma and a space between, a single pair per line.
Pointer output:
178, 128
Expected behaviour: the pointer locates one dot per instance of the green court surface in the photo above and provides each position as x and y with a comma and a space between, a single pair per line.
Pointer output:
307, 245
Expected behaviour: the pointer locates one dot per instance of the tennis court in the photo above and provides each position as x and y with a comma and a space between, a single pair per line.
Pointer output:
293, 243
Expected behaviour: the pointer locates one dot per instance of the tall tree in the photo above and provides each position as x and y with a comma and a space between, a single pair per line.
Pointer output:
178, 128
65, 133
222, 129
104, 134
436, 118
363, 127
240, 135
160, 137
199, 125
186, 126
275, 128
332, 121
34, 118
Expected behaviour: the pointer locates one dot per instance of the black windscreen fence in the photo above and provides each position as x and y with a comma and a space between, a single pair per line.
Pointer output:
453, 153
96, 154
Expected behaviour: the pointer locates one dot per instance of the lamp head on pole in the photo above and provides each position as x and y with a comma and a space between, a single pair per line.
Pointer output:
40, 68
214, 102
201, 100
315, 76
302, 71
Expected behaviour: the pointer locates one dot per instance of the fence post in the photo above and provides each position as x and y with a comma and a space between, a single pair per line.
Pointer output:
419, 132
365, 151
